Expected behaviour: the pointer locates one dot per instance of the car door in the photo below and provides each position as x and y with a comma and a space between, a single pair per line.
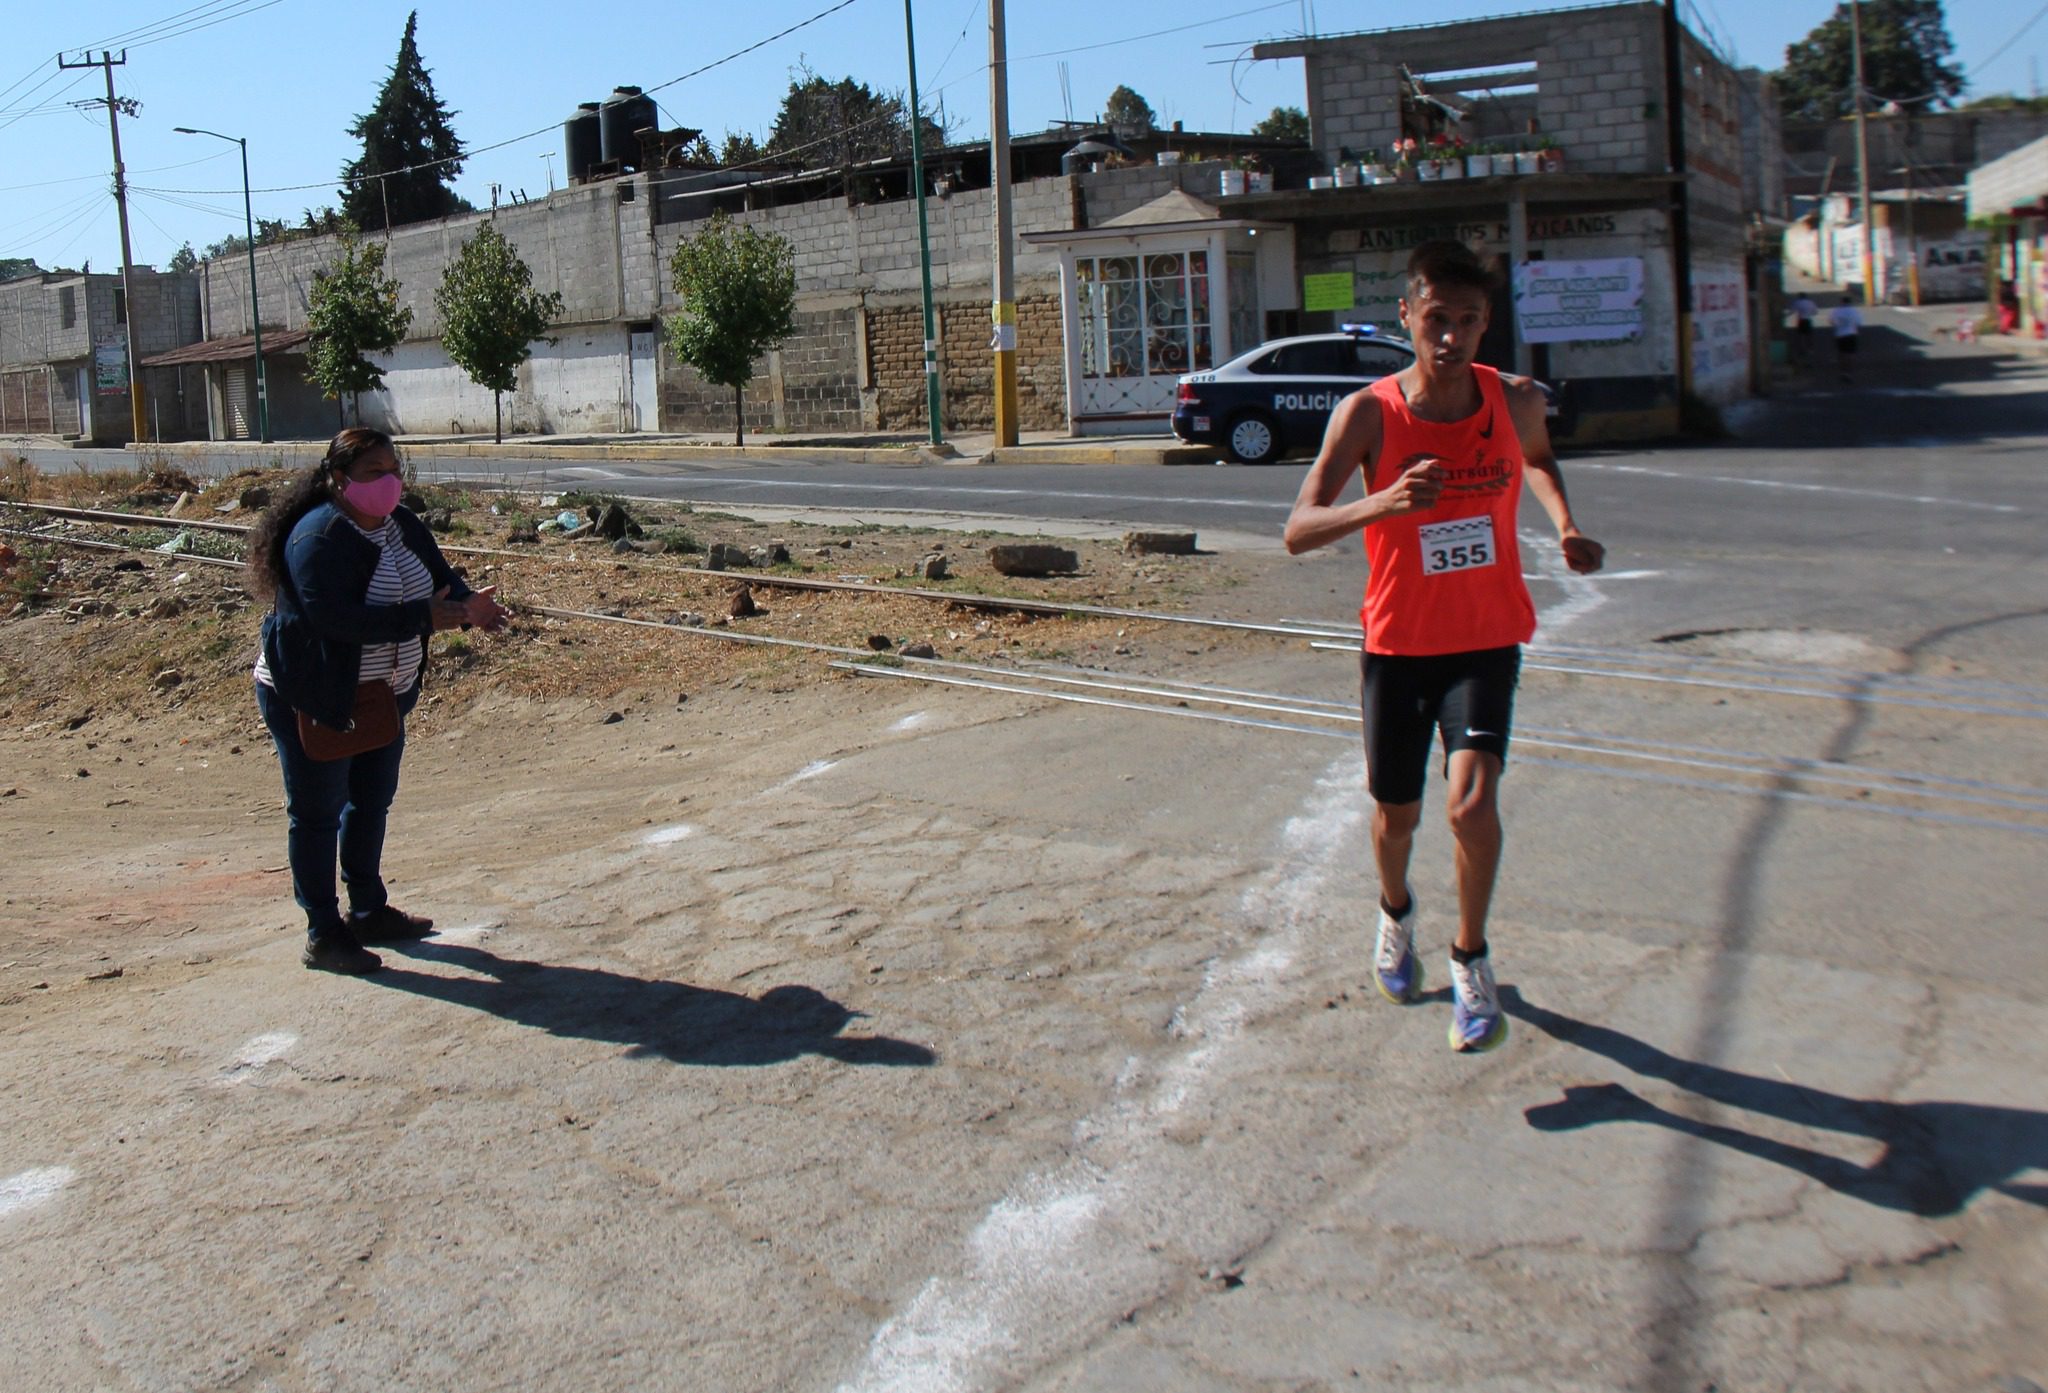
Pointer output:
1309, 379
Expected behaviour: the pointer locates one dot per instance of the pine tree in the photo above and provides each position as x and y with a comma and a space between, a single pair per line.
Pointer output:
491, 314
353, 310
738, 288
408, 140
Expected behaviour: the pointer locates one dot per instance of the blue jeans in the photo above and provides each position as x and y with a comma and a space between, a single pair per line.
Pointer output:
330, 804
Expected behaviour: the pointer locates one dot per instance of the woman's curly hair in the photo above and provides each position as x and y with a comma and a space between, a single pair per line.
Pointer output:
308, 491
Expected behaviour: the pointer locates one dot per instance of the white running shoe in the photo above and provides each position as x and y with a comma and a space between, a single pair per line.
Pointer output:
1394, 965
1477, 1022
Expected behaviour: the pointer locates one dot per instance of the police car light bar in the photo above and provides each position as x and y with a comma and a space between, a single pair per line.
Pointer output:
1361, 330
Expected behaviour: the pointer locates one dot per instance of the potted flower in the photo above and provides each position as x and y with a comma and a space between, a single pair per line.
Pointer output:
1479, 161
1447, 154
1550, 156
1404, 152
1527, 162
1235, 179
1258, 178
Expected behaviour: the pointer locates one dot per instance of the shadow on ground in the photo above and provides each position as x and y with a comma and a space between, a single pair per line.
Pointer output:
669, 1020
1937, 1156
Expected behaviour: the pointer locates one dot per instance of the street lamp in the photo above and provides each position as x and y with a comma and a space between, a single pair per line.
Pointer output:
255, 310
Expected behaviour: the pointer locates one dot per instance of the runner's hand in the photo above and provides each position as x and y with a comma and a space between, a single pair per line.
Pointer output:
485, 612
1582, 553
1416, 490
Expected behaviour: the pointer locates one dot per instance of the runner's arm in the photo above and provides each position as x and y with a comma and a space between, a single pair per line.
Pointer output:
1546, 480
1352, 443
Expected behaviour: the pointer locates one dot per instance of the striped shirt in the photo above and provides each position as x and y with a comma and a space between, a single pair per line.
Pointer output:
400, 577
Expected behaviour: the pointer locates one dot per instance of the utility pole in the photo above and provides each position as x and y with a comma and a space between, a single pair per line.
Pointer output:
1681, 192
255, 304
108, 62
1003, 264
924, 240
1863, 154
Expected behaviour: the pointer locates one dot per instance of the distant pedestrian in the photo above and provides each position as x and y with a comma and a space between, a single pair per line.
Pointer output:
1443, 447
1804, 312
1847, 322
356, 583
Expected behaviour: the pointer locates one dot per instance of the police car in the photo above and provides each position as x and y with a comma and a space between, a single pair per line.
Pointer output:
1279, 396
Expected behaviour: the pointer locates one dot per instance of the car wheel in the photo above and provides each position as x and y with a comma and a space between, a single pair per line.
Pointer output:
1252, 438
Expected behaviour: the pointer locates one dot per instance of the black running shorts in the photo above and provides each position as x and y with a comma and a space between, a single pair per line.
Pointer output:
1469, 697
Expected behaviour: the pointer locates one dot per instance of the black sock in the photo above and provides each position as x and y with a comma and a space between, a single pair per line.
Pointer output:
1393, 913
1465, 959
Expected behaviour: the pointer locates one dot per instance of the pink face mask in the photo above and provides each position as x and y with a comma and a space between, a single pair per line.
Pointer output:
374, 498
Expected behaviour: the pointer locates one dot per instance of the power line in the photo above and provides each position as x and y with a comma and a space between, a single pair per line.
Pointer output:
1999, 52
548, 129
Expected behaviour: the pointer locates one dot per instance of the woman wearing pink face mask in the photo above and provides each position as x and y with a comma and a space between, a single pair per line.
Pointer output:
356, 583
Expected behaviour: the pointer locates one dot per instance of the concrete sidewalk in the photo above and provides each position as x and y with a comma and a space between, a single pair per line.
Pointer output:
886, 447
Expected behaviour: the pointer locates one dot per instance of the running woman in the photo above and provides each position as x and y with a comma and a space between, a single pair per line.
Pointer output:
1442, 447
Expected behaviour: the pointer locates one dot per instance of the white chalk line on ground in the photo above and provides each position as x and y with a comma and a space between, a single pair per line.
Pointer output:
33, 1187
1047, 1266
668, 836
257, 1052
1051, 1262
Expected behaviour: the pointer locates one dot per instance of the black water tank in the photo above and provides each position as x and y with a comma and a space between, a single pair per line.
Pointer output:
584, 145
626, 110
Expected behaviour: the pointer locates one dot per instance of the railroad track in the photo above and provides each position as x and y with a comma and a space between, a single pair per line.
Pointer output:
1920, 796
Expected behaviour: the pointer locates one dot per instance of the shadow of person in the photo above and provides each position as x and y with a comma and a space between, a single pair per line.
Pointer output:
672, 1020
1937, 1156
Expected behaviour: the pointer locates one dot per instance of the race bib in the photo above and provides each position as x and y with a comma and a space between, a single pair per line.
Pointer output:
1463, 545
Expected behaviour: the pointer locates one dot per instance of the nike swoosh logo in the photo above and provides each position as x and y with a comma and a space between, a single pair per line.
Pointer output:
1471, 734
1486, 431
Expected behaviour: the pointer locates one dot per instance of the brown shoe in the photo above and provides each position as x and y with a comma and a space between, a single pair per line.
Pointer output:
389, 924
338, 951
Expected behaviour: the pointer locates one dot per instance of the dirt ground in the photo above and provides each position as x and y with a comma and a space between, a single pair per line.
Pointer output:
126, 718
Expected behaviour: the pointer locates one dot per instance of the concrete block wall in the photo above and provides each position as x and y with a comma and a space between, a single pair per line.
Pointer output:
32, 329
1599, 78
1108, 195
812, 383
584, 242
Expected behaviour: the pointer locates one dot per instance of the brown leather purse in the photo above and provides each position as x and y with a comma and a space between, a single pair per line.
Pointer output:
373, 724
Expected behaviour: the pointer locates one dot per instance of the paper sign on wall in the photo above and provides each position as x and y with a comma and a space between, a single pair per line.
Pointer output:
110, 368
1579, 301
1328, 291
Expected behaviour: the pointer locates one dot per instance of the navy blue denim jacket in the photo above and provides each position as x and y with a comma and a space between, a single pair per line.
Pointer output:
314, 634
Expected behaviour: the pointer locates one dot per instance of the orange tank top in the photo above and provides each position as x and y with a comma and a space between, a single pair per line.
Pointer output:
1448, 580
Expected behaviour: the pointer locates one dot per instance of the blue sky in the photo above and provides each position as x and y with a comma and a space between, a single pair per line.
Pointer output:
291, 75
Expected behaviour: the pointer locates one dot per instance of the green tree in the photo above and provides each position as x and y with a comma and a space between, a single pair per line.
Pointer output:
184, 259
1906, 49
700, 152
825, 123
353, 309
410, 158
1285, 123
15, 267
1127, 111
738, 291
739, 149
491, 314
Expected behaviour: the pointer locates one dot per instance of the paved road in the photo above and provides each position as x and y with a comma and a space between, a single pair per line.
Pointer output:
1117, 1112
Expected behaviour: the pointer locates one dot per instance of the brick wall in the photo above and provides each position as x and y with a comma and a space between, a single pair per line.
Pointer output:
967, 365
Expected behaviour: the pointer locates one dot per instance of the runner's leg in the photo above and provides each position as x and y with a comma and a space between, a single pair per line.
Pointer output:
1474, 810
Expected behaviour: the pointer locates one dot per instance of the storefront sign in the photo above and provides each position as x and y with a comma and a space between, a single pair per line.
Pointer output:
110, 369
1330, 291
1579, 301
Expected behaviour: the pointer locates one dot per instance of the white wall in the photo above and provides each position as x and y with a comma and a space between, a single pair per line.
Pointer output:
577, 384
1720, 331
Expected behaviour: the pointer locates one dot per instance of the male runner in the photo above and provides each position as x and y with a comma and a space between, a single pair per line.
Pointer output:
1442, 447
